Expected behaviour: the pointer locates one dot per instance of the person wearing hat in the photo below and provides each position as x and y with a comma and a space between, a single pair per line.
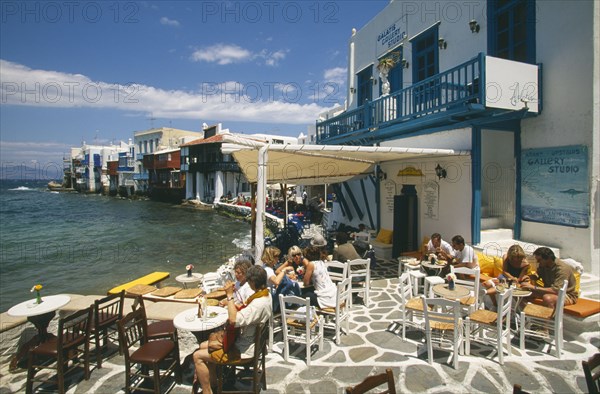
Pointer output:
318, 241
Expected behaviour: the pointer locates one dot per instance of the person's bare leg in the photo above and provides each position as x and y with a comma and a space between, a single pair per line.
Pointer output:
550, 300
201, 363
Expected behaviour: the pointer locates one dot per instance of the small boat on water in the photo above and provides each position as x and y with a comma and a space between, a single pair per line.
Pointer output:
59, 187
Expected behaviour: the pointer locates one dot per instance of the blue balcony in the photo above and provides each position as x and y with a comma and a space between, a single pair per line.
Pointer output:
453, 97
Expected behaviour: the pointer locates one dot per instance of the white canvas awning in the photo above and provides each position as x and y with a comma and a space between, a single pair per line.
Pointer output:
318, 164
309, 165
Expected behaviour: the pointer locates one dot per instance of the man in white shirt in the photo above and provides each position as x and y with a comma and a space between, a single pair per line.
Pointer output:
442, 249
464, 255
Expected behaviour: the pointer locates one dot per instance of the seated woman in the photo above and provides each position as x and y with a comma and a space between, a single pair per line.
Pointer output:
295, 259
258, 310
242, 290
514, 270
325, 291
281, 282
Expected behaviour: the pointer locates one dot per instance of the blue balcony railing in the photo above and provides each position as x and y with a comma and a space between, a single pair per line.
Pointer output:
453, 88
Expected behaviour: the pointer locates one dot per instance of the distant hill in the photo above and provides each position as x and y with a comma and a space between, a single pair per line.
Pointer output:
32, 173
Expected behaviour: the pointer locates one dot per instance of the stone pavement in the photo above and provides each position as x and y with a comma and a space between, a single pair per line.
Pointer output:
369, 349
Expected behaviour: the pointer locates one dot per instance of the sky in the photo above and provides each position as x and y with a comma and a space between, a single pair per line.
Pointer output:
97, 71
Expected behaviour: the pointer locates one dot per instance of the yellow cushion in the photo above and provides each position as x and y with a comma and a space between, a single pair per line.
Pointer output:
385, 236
486, 264
498, 262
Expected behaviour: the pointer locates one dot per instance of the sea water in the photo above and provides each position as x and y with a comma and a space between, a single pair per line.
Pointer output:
89, 243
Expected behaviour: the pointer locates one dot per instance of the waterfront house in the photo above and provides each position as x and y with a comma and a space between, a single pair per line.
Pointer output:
211, 174
515, 83
154, 140
165, 180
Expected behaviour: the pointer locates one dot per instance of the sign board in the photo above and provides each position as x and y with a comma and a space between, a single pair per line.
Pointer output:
431, 200
389, 191
511, 85
554, 185
391, 36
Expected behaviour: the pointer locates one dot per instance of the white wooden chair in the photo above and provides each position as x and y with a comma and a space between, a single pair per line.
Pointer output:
497, 323
359, 271
301, 324
443, 324
211, 281
336, 316
337, 271
471, 281
274, 327
543, 322
409, 306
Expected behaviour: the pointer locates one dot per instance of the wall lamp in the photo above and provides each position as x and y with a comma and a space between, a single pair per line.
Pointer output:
474, 26
404, 63
380, 174
374, 80
442, 44
352, 90
440, 172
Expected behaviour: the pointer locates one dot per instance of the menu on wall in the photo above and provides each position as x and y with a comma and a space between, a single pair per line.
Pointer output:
431, 199
389, 191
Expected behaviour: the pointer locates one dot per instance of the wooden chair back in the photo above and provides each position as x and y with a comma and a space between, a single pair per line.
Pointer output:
592, 378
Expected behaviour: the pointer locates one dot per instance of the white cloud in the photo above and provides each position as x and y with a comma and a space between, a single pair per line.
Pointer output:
169, 22
336, 75
221, 54
226, 101
224, 54
47, 163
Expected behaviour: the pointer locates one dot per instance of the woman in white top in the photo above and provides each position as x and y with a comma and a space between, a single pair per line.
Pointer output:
316, 274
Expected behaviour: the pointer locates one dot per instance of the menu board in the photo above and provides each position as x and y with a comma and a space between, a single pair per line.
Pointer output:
431, 200
389, 191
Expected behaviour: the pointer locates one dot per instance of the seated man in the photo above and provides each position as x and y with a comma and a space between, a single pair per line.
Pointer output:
436, 245
464, 255
553, 272
344, 250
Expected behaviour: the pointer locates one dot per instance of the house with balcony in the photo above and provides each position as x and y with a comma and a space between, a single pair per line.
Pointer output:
89, 166
165, 180
512, 82
211, 174
155, 140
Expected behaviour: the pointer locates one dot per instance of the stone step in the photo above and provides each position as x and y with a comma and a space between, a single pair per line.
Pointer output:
490, 223
495, 234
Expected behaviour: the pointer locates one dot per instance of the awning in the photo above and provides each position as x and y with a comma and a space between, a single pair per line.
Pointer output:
318, 164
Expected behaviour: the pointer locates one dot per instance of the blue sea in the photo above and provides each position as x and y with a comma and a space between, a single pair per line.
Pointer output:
88, 243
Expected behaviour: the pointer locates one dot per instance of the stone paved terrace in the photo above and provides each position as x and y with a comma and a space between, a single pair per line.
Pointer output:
369, 349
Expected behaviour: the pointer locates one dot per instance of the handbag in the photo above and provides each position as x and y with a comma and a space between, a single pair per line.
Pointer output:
222, 339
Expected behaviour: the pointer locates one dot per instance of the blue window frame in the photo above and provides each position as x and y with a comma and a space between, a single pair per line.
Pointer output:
365, 85
511, 33
425, 64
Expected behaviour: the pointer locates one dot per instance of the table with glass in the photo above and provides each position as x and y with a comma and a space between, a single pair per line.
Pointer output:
40, 316
188, 320
442, 290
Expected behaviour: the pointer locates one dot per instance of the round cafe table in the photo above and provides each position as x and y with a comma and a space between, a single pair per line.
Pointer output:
40, 316
442, 290
189, 280
188, 320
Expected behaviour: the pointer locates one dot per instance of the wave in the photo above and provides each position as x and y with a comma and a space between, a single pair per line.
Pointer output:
22, 188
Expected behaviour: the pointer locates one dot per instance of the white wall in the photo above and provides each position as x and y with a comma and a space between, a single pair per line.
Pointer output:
566, 50
454, 214
418, 16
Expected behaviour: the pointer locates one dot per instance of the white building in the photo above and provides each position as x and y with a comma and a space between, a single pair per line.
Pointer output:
513, 82
89, 164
